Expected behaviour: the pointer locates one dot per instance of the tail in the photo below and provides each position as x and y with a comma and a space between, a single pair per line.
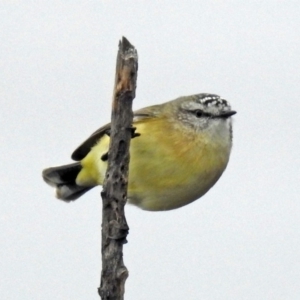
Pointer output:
63, 178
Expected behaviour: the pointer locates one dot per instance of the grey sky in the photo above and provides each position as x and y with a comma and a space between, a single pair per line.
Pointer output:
57, 62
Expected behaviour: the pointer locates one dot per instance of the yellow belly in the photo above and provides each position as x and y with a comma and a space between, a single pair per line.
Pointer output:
168, 168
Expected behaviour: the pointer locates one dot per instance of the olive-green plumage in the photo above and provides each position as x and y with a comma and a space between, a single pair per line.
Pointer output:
182, 150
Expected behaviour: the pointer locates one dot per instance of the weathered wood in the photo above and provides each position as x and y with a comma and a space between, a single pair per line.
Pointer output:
114, 193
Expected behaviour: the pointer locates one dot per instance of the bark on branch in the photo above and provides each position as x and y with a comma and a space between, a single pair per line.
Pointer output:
114, 193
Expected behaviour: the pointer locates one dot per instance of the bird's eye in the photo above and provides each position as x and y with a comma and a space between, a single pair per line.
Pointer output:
198, 113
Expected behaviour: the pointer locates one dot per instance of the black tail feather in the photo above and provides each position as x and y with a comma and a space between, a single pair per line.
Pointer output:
63, 178
71, 192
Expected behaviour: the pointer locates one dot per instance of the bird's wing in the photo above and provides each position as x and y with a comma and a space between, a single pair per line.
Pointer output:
82, 150
86, 146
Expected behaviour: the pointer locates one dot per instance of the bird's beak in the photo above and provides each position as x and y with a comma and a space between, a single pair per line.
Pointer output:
227, 114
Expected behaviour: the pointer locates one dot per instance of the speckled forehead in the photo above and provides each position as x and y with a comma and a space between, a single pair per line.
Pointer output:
207, 102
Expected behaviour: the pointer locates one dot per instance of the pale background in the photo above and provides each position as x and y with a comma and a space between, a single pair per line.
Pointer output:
57, 62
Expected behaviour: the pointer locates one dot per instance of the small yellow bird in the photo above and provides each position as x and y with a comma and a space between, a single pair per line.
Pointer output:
182, 149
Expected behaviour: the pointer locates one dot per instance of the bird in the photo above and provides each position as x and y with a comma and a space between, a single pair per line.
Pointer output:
181, 149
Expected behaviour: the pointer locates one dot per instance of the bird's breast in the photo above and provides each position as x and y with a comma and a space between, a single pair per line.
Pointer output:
170, 168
